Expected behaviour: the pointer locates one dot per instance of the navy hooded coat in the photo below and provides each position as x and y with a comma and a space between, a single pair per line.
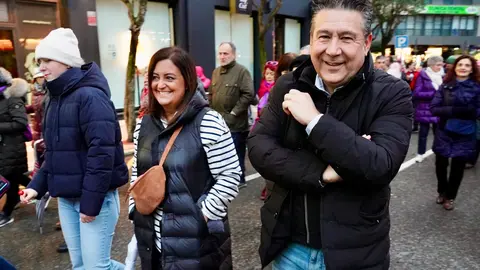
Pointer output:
84, 153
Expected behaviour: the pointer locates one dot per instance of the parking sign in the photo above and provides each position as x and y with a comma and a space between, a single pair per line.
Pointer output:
401, 42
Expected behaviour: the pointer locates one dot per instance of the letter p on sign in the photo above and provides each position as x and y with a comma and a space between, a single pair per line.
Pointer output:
401, 42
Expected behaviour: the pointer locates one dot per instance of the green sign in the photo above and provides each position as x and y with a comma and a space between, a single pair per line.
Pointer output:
451, 10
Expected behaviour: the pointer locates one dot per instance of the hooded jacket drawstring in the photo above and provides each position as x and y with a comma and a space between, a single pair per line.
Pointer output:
57, 125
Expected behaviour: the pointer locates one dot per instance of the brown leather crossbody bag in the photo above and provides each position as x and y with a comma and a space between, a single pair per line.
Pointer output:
148, 190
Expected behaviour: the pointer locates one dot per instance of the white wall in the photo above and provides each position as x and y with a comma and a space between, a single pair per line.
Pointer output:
114, 42
292, 36
237, 28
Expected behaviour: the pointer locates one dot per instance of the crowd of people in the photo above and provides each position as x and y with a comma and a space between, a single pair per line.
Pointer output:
446, 101
332, 131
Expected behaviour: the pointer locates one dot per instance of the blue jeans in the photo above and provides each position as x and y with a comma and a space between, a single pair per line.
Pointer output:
298, 257
5, 265
89, 244
423, 135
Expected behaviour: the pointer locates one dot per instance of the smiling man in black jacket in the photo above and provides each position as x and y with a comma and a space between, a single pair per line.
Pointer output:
315, 118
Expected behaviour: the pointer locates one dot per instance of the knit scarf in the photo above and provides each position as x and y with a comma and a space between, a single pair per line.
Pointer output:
436, 77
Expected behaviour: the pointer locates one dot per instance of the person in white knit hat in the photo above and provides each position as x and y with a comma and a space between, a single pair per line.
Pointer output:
84, 162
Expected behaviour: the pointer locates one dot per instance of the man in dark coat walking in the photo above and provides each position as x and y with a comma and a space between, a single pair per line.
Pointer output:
315, 118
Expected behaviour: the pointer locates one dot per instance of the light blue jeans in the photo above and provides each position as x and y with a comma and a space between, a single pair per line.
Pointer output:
298, 257
89, 244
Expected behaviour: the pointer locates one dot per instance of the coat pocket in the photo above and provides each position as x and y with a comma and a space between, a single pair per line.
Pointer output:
375, 208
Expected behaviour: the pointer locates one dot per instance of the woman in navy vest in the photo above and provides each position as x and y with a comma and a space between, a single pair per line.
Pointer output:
457, 103
189, 229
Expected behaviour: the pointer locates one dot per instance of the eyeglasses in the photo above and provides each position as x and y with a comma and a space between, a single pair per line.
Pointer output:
271, 63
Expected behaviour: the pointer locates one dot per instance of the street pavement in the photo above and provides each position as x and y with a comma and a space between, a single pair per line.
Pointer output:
424, 236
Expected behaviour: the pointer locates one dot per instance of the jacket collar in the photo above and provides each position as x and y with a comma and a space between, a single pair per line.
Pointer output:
226, 68
469, 83
62, 84
194, 106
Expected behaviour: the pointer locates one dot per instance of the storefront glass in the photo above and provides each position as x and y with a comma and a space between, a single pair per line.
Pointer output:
35, 21
292, 36
437, 25
7, 52
114, 42
236, 28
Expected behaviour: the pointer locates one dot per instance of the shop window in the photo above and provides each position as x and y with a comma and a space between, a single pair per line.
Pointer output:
114, 42
457, 2
429, 26
241, 35
447, 26
4, 11
437, 26
419, 21
292, 36
35, 21
7, 52
279, 38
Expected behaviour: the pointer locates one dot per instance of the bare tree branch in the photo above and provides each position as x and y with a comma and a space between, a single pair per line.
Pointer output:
130, 9
254, 4
390, 13
273, 13
142, 10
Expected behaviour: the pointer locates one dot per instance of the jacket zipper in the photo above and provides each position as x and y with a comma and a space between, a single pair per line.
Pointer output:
322, 235
307, 227
305, 197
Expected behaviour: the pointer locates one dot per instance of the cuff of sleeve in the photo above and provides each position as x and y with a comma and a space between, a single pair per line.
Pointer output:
91, 203
312, 124
207, 213
38, 184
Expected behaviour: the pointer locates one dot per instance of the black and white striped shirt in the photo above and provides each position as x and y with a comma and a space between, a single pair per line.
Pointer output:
224, 166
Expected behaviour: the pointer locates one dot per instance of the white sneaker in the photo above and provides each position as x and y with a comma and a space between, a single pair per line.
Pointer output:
419, 158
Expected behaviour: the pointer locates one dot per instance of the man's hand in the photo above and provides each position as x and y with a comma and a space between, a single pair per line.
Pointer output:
86, 219
300, 106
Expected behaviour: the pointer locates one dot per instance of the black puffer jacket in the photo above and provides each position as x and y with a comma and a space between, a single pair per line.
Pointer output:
13, 123
349, 220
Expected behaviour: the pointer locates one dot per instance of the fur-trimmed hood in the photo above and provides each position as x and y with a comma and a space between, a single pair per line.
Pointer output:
19, 88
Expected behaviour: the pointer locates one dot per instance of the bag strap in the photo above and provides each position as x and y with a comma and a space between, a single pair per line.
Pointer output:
169, 145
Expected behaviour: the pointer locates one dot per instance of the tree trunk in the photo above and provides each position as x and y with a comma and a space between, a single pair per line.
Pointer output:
263, 52
129, 101
384, 43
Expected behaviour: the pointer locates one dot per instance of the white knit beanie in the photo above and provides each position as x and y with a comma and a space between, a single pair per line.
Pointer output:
60, 45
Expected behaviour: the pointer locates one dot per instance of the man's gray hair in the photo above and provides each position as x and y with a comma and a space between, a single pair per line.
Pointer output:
380, 57
363, 6
432, 60
305, 49
234, 48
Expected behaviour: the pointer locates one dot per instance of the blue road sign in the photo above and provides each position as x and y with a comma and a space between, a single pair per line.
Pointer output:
401, 41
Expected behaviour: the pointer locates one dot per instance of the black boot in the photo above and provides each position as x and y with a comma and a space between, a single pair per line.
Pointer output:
62, 248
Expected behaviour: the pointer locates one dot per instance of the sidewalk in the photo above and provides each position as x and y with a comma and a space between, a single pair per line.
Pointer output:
128, 147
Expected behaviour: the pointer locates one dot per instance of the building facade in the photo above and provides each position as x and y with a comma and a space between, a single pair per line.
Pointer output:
443, 27
198, 26
22, 25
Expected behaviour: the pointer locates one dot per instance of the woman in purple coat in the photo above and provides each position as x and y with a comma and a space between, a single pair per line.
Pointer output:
457, 103
427, 83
